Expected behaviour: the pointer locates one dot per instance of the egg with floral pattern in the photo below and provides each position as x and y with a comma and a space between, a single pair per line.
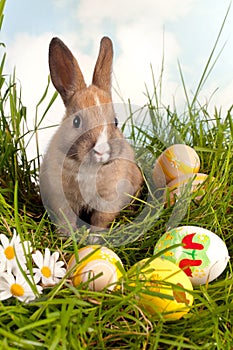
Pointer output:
202, 254
97, 268
176, 160
163, 288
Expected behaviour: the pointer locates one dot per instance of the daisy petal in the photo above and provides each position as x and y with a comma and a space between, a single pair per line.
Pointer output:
38, 258
46, 257
5, 295
15, 240
59, 264
55, 256
60, 272
27, 247
4, 240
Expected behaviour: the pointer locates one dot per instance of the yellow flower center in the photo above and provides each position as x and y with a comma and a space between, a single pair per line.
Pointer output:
17, 290
46, 272
9, 252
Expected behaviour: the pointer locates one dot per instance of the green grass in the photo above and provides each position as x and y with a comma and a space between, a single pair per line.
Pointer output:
65, 317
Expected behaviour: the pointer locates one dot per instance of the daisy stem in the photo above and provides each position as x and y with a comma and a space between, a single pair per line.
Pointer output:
16, 210
30, 283
19, 231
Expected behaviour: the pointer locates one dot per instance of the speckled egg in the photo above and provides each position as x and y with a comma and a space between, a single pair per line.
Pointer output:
202, 254
186, 184
176, 160
164, 288
98, 268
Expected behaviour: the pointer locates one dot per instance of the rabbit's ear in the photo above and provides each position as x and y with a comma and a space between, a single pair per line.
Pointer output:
103, 67
64, 69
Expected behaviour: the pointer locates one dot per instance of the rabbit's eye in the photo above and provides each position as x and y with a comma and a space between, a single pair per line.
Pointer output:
116, 122
76, 121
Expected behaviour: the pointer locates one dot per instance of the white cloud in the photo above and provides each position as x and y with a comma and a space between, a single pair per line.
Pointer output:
129, 11
29, 55
138, 29
142, 48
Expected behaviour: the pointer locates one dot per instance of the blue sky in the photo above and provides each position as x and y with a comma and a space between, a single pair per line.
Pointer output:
137, 27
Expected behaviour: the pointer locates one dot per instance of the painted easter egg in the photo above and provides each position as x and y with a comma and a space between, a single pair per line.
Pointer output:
164, 288
186, 184
98, 267
175, 161
202, 254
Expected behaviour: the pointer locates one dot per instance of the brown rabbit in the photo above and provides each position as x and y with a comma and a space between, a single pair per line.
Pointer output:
88, 173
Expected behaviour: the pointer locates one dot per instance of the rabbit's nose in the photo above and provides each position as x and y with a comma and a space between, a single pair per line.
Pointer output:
102, 152
102, 148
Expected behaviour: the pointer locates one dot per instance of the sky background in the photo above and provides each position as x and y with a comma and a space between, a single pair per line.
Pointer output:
142, 32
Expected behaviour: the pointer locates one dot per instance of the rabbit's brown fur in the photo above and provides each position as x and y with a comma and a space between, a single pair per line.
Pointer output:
88, 173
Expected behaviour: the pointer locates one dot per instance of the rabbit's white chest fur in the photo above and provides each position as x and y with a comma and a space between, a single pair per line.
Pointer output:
98, 187
86, 181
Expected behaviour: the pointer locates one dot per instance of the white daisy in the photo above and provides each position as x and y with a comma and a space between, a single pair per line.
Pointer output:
18, 287
10, 249
49, 270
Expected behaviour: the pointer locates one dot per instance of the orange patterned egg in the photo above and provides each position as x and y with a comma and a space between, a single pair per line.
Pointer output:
176, 160
186, 184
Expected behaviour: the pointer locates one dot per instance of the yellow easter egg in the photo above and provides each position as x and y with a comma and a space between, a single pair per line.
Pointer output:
98, 267
186, 184
164, 288
202, 254
176, 160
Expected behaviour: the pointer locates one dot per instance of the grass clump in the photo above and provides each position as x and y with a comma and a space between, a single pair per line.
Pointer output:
65, 317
